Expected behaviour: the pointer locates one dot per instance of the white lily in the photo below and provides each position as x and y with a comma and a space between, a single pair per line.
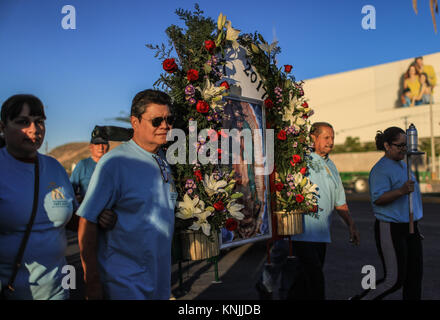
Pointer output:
221, 20
213, 186
232, 35
234, 210
189, 207
210, 91
202, 222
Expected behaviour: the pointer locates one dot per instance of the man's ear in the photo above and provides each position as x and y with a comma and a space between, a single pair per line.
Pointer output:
313, 138
386, 145
134, 122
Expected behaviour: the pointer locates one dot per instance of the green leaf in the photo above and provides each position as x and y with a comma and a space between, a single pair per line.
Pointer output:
237, 195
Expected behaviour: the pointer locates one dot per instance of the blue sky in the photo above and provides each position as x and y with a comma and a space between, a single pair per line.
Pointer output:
88, 75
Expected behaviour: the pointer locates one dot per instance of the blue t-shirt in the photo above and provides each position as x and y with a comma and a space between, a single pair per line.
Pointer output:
135, 257
40, 276
387, 175
331, 194
82, 174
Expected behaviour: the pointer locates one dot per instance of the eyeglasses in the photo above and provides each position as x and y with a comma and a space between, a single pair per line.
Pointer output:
400, 146
156, 122
162, 167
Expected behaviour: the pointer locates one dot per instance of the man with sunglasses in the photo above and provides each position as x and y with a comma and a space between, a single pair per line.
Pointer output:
132, 261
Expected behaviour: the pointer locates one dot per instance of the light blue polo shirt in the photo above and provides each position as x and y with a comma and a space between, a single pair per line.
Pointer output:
82, 174
135, 257
40, 276
331, 194
387, 175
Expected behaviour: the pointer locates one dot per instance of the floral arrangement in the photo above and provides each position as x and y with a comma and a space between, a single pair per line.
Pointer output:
288, 113
194, 79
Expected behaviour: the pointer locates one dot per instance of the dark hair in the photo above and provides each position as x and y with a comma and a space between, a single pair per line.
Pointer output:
415, 67
417, 58
426, 77
389, 135
142, 99
12, 107
316, 128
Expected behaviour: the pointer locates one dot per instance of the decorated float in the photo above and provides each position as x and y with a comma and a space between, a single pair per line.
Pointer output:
228, 91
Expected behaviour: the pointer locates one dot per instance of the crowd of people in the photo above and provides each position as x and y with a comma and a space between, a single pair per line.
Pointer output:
121, 203
418, 84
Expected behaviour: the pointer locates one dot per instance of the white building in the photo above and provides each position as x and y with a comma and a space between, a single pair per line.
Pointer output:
360, 102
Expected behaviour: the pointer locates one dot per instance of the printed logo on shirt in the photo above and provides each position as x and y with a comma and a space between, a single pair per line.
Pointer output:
58, 205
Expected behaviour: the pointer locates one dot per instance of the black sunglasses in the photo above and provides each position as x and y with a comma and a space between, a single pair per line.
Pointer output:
156, 122
400, 146
162, 167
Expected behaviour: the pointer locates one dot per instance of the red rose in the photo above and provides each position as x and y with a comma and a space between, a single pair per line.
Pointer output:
225, 84
198, 175
269, 103
279, 186
282, 135
296, 158
299, 198
305, 105
315, 208
209, 45
219, 206
303, 170
202, 106
169, 65
231, 224
192, 75
287, 68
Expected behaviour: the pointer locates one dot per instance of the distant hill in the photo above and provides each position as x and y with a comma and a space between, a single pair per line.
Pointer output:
72, 153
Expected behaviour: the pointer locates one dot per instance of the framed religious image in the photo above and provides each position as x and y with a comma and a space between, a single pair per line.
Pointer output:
249, 158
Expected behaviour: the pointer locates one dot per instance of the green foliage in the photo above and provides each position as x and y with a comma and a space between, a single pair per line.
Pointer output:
353, 144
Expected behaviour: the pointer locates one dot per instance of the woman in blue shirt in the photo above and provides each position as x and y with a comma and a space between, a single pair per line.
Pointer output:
400, 251
40, 272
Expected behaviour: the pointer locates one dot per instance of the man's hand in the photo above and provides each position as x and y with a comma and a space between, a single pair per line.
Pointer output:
354, 234
407, 188
107, 219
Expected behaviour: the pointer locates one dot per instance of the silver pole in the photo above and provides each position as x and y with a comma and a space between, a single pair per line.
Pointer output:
433, 168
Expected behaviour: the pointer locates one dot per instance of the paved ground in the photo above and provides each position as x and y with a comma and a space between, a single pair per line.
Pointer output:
240, 267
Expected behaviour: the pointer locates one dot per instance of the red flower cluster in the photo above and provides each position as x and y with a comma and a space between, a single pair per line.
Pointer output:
305, 105
287, 68
303, 170
299, 198
231, 224
192, 75
169, 65
279, 186
202, 106
219, 206
198, 175
269, 103
209, 45
282, 135
295, 159
225, 84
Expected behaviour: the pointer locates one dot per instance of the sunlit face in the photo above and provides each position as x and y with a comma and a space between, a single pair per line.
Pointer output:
397, 149
412, 70
419, 63
422, 79
98, 150
145, 134
324, 142
24, 134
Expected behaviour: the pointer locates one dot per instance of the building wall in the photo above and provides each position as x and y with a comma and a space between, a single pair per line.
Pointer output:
360, 102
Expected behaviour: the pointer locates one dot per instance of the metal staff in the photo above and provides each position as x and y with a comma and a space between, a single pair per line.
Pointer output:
412, 142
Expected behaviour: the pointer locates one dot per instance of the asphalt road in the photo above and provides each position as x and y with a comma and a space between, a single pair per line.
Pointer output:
239, 268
